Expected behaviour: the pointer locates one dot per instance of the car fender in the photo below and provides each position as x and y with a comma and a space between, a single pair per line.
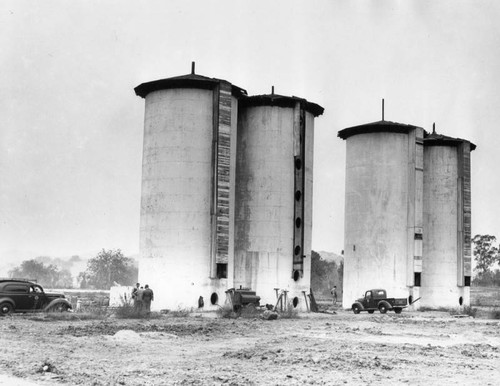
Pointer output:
8, 300
358, 304
55, 302
385, 303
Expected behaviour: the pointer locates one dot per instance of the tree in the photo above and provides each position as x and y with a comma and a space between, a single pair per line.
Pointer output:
324, 275
109, 267
47, 275
485, 252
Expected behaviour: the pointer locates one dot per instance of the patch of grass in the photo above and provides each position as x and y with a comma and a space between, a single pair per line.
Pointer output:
75, 316
249, 311
289, 312
466, 310
494, 314
180, 312
485, 296
439, 309
226, 311
127, 311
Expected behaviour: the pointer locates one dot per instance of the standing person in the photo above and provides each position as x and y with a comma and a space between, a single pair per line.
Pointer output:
134, 295
139, 302
334, 295
147, 297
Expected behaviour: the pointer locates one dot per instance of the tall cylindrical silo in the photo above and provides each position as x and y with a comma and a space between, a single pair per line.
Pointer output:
187, 202
446, 265
383, 209
274, 196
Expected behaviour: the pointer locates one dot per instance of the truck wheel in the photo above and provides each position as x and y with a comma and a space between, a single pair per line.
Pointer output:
398, 310
356, 308
371, 311
6, 309
382, 308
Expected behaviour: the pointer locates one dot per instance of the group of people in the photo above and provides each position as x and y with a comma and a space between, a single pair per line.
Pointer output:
142, 298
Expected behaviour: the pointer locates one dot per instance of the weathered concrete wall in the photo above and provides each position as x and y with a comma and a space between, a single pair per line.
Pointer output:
442, 209
177, 191
376, 215
264, 220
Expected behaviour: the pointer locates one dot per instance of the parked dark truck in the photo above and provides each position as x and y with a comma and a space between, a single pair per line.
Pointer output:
376, 299
26, 296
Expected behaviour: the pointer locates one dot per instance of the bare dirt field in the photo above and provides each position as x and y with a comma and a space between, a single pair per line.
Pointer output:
414, 348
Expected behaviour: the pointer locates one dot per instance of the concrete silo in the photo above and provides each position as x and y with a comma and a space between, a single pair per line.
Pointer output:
446, 265
274, 195
383, 209
187, 203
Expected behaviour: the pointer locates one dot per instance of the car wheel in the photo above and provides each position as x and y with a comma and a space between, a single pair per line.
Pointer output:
382, 308
371, 311
61, 307
356, 309
398, 310
6, 309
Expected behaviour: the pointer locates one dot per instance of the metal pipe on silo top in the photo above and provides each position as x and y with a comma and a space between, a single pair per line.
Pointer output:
446, 265
383, 203
187, 200
274, 194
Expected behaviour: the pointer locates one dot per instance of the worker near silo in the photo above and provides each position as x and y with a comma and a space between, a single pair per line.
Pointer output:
334, 295
147, 298
134, 295
138, 301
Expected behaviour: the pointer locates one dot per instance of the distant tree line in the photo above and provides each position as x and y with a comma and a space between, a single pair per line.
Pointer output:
325, 275
47, 275
107, 268
487, 257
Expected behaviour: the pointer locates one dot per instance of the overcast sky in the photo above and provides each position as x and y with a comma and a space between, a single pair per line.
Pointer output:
71, 126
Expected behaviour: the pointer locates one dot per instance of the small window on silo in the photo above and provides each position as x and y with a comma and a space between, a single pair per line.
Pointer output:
467, 281
221, 271
416, 279
418, 236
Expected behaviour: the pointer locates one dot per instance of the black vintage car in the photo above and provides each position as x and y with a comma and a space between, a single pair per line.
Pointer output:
26, 296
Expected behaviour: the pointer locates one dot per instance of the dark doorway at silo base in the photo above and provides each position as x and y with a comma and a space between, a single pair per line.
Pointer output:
221, 271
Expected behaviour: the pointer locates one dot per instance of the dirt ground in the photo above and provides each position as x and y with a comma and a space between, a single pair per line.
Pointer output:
414, 348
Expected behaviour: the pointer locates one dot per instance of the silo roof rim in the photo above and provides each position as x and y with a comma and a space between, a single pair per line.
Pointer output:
281, 101
444, 140
376, 127
185, 81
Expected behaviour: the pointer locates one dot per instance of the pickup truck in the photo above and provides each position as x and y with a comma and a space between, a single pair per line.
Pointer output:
376, 299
